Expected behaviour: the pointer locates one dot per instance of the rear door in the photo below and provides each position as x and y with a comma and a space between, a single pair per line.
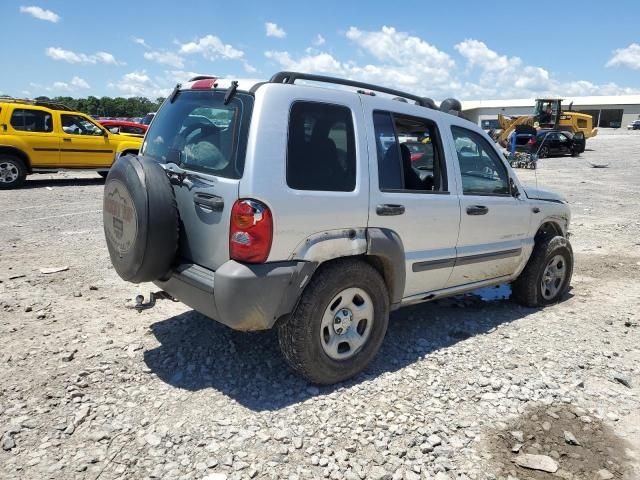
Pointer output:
35, 127
413, 197
494, 225
83, 143
204, 141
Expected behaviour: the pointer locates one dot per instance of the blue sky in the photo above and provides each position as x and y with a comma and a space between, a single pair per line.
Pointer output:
467, 49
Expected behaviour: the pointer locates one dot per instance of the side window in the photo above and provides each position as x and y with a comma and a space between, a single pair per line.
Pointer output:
483, 173
30, 120
562, 138
321, 152
77, 125
409, 154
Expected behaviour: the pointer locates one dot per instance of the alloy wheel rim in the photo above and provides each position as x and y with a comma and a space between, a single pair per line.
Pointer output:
8, 172
553, 277
347, 323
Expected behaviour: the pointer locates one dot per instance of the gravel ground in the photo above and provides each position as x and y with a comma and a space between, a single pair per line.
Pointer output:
463, 388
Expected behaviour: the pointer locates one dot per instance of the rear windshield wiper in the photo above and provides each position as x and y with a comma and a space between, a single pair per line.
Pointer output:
231, 91
175, 93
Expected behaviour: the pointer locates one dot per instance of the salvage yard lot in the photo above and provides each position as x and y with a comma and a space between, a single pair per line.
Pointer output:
89, 388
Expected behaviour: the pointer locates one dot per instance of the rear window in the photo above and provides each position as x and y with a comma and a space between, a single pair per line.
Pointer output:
198, 132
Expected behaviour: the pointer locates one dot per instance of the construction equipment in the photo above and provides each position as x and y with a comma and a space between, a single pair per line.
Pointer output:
547, 114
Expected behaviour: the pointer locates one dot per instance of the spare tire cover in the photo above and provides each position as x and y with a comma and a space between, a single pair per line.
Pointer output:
140, 219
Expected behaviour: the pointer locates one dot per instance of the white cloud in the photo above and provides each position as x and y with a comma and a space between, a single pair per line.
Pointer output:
139, 83
319, 40
398, 47
402, 61
166, 58
407, 62
501, 76
626, 57
75, 84
211, 48
72, 57
140, 41
273, 30
41, 13
249, 68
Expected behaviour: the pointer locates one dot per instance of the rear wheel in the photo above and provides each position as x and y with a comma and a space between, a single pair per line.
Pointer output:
339, 324
12, 172
544, 152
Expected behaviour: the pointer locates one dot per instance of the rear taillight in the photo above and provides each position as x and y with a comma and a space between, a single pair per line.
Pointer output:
251, 231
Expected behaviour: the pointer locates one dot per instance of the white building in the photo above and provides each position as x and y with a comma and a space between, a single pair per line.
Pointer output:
607, 111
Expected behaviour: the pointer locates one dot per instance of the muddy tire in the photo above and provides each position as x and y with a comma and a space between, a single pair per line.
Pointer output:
140, 219
339, 324
547, 276
13, 172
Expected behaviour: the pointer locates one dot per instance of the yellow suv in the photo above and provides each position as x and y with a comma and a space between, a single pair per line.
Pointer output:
37, 137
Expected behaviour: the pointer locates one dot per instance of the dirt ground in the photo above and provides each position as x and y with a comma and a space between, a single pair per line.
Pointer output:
91, 389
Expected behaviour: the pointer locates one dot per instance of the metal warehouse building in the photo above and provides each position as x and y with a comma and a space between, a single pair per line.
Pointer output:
607, 111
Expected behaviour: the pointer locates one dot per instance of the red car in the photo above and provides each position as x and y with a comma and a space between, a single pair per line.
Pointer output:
121, 126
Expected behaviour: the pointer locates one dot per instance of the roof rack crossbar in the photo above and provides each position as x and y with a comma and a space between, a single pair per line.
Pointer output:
291, 77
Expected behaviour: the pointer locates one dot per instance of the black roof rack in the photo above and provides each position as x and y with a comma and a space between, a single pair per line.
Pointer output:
38, 103
291, 77
53, 106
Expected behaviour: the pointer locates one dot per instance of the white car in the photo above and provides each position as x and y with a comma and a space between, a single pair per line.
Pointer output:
635, 125
305, 213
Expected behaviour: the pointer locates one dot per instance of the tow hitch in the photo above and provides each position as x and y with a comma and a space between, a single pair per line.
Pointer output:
153, 296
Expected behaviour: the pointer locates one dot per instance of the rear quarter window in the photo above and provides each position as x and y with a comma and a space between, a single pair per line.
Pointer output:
321, 152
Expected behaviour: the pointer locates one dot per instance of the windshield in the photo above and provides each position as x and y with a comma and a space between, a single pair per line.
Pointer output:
198, 132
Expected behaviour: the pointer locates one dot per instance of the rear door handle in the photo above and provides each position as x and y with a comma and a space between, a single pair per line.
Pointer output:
211, 202
66, 139
477, 210
389, 209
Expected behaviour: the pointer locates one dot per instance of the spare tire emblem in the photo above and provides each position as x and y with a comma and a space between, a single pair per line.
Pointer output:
120, 217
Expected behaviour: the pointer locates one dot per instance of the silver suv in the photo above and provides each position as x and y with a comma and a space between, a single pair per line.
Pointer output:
302, 207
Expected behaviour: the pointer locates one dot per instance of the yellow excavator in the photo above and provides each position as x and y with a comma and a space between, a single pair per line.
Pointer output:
548, 114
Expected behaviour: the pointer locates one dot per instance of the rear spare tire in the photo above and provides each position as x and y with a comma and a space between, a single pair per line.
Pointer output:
140, 219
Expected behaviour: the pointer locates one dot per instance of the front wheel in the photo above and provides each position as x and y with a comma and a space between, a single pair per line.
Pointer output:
547, 276
339, 324
12, 172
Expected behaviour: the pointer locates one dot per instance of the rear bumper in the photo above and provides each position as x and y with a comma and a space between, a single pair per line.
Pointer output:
241, 296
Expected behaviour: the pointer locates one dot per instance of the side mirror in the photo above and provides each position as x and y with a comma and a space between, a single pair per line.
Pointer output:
514, 188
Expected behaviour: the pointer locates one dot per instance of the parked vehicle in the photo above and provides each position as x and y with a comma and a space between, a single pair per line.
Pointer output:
146, 120
421, 154
37, 137
635, 125
306, 214
548, 114
124, 127
549, 143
